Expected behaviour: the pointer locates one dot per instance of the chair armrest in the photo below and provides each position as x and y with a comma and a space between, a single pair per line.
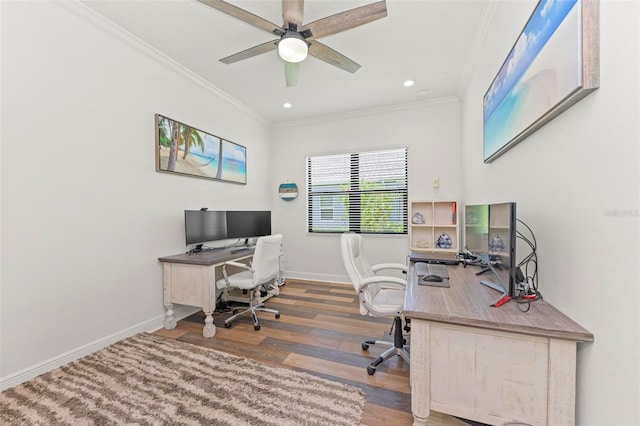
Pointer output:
381, 266
238, 264
380, 283
380, 280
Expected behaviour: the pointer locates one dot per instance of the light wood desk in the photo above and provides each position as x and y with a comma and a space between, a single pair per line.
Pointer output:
488, 364
191, 280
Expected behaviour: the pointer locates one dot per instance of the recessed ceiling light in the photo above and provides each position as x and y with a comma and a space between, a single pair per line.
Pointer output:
287, 105
409, 83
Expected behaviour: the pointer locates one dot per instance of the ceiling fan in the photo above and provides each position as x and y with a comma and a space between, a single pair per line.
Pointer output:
297, 40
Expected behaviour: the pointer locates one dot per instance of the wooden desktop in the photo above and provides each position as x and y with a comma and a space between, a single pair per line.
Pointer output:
487, 364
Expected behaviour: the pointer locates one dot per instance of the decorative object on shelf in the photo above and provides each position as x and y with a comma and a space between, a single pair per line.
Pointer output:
553, 64
288, 191
444, 241
422, 244
187, 151
417, 218
453, 213
496, 243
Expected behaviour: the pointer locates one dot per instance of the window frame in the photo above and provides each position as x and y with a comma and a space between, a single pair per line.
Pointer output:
354, 193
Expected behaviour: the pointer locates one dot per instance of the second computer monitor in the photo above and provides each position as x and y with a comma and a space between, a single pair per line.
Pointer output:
490, 233
248, 223
502, 243
476, 228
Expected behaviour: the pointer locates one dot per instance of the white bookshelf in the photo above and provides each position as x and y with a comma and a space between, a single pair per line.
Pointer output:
430, 220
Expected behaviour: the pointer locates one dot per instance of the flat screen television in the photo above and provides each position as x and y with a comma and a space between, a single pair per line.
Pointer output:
491, 235
201, 226
248, 223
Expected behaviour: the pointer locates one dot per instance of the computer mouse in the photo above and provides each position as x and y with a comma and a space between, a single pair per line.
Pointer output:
432, 278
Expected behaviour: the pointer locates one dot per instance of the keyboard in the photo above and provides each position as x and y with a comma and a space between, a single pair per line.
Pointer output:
424, 269
240, 250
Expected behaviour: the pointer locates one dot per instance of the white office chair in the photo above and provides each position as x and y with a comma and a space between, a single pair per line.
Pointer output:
380, 296
263, 270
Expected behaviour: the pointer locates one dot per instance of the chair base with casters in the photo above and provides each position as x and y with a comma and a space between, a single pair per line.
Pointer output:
398, 347
251, 309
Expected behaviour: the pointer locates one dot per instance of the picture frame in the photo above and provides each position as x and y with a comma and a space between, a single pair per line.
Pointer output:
187, 151
553, 64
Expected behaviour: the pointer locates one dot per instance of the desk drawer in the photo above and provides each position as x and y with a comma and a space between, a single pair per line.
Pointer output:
189, 284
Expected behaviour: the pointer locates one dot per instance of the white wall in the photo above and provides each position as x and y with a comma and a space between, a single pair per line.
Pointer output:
84, 213
576, 182
431, 131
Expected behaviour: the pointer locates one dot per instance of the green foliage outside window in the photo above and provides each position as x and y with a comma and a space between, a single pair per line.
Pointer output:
376, 209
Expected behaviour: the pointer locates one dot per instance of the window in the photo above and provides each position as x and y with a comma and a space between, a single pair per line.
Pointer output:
362, 192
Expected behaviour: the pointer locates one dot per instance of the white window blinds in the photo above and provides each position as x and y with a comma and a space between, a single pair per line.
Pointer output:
363, 192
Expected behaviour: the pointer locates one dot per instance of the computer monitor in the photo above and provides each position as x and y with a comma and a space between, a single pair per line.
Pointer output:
248, 223
476, 228
201, 226
502, 244
491, 235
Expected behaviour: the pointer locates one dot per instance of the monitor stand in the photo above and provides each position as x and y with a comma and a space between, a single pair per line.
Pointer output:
501, 301
196, 249
486, 268
199, 248
498, 287
494, 286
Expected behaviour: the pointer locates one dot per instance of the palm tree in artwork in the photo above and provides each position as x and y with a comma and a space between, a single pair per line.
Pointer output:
219, 172
173, 148
190, 136
163, 126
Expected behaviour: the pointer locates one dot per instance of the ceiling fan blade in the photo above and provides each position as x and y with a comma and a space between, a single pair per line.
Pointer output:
292, 11
291, 71
243, 15
252, 51
330, 56
346, 20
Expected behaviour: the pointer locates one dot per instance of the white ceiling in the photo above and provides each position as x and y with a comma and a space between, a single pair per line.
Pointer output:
429, 41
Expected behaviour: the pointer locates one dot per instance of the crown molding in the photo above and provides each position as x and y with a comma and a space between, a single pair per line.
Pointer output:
475, 48
368, 112
91, 16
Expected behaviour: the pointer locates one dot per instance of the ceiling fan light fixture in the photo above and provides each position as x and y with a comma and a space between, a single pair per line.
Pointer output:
292, 47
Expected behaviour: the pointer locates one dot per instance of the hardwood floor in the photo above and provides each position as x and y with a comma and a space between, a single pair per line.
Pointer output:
320, 331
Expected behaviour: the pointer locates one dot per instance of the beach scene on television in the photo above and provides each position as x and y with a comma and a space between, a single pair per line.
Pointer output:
542, 69
185, 150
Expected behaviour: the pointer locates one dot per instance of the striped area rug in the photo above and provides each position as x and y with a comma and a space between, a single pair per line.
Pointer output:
151, 380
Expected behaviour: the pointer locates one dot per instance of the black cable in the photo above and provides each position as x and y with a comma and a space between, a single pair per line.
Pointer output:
530, 231
523, 302
530, 264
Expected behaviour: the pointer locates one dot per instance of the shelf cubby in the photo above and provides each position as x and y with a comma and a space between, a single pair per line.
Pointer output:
429, 220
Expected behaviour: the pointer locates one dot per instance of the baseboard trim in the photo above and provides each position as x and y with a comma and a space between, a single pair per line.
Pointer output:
29, 373
340, 279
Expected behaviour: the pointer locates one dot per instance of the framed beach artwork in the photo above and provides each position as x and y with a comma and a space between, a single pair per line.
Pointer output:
184, 150
553, 64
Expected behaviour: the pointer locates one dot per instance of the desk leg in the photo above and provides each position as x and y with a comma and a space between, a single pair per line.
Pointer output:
419, 372
562, 382
170, 321
209, 329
